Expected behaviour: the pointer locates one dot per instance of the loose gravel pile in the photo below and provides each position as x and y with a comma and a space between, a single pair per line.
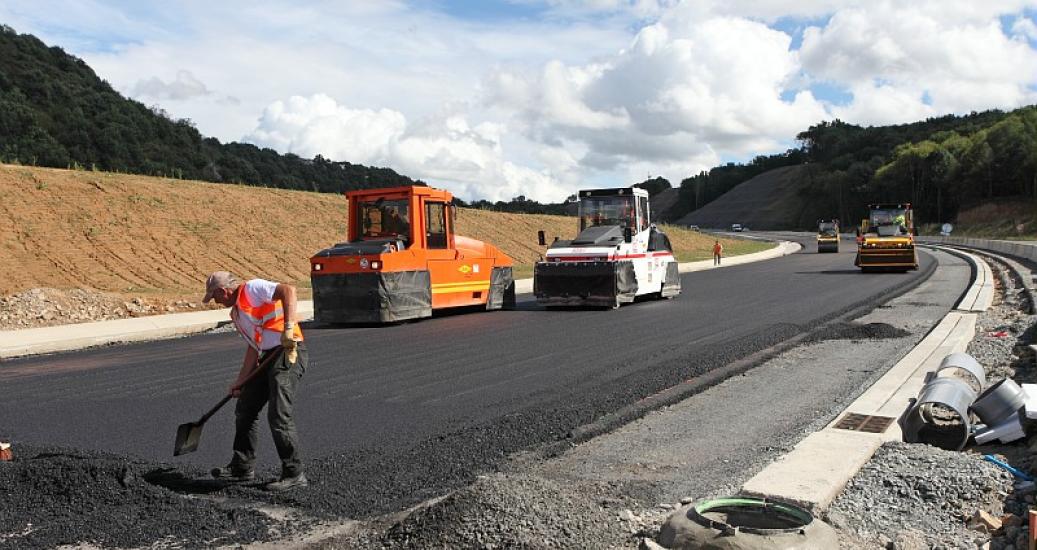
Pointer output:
919, 493
516, 511
43, 307
53, 496
857, 331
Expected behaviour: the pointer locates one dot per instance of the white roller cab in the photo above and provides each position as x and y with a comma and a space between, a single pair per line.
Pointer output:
617, 256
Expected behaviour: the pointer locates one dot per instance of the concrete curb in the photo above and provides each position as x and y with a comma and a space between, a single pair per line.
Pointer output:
33, 341
1021, 249
817, 469
980, 294
17, 343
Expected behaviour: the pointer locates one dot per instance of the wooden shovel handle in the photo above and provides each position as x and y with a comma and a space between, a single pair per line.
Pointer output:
262, 367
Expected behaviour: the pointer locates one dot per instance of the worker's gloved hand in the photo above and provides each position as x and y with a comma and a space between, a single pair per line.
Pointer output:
289, 343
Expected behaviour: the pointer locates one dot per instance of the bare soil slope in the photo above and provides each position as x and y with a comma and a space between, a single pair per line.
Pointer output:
1014, 218
144, 245
770, 200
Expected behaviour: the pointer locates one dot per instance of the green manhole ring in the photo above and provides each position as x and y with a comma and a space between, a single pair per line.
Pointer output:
758, 516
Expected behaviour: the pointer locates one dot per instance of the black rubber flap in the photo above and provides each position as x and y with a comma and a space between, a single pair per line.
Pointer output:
584, 283
371, 297
672, 283
502, 289
658, 241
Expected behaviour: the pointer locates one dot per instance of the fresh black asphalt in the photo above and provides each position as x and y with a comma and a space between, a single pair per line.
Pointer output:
390, 416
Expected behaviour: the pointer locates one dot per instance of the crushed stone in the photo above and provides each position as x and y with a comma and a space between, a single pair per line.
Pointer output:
513, 511
919, 492
858, 331
45, 307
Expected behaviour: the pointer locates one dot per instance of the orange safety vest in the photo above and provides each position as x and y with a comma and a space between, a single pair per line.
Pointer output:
717, 248
268, 316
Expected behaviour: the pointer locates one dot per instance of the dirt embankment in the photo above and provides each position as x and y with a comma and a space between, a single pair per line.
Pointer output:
78, 246
1014, 218
771, 200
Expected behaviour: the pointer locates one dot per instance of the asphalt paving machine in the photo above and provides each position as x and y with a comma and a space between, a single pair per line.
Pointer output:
885, 240
828, 236
403, 261
617, 256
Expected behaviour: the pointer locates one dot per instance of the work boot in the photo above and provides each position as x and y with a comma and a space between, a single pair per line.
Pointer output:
286, 483
230, 473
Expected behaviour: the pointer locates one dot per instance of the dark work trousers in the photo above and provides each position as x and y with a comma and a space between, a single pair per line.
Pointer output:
277, 386
716, 259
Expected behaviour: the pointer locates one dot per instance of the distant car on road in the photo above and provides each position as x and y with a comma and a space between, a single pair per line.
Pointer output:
693, 227
737, 227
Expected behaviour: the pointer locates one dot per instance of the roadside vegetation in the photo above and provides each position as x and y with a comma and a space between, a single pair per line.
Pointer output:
941, 165
995, 220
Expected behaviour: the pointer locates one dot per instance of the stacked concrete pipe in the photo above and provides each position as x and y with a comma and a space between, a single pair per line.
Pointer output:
942, 414
952, 388
998, 407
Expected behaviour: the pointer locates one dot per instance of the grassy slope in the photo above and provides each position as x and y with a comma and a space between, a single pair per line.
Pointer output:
138, 235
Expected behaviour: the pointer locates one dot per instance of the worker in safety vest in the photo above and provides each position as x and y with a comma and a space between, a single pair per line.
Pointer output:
264, 313
718, 252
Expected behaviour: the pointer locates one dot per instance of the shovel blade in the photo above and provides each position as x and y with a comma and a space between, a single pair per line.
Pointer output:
187, 438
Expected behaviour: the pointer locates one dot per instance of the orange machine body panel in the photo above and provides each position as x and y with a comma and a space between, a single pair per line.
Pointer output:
411, 230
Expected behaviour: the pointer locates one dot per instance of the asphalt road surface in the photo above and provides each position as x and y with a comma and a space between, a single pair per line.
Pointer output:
390, 416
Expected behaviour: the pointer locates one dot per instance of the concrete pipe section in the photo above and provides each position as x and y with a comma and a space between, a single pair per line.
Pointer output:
999, 401
940, 415
746, 523
964, 367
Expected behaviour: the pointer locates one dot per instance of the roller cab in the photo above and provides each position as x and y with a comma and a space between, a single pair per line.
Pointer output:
403, 261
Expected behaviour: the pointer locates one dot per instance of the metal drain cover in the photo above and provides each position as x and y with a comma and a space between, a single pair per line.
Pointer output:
864, 423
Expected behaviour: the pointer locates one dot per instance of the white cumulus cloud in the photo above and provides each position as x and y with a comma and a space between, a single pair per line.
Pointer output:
581, 93
922, 58
684, 92
183, 87
439, 149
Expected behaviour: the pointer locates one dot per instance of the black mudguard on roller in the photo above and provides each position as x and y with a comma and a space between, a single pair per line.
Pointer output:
672, 284
593, 284
887, 260
371, 297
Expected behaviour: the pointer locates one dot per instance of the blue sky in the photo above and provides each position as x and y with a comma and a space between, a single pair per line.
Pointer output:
541, 98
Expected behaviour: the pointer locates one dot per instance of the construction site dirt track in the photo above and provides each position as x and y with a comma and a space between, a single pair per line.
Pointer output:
393, 416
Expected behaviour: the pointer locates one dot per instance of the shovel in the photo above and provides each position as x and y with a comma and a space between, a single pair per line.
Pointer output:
188, 435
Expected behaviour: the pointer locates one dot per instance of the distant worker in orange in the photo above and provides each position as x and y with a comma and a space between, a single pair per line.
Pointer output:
718, 252
264, 313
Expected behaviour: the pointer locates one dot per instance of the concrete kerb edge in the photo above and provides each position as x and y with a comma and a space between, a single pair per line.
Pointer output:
980, 289
21, 343
780, 480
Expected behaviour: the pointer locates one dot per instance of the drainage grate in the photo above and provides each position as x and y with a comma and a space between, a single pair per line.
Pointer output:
864, 423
